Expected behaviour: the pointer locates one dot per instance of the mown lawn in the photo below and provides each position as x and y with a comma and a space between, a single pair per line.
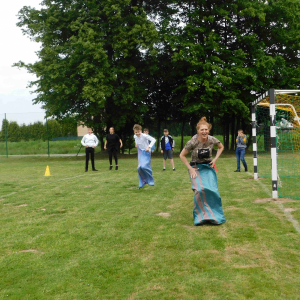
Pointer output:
94, 235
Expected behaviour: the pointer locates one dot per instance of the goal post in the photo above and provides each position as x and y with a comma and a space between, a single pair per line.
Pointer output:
276, 141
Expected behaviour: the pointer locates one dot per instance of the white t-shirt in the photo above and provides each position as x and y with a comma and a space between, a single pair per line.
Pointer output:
142, 141
90, 140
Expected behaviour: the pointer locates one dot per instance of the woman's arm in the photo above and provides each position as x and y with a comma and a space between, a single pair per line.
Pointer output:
121, 143
220, 150
105, 144
183, 155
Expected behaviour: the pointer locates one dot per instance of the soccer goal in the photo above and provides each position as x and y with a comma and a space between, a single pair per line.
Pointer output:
276, 141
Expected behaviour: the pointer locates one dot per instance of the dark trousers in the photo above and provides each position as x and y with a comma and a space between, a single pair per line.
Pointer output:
112, 152
87, 157
240, 155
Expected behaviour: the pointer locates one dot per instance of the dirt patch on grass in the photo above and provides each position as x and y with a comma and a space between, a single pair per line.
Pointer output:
87, 186
164, 214
289, 209
252, 178
31, 251
43, 209
189, 227
280, 200
22, 205
231, 208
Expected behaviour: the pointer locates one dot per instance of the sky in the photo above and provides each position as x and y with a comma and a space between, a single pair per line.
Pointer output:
15, 98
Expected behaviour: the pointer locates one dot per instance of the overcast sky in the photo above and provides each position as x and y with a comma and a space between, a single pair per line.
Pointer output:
15, 98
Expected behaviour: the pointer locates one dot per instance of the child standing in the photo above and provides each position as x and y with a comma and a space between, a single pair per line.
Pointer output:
241, 145
167, 145
144, 155
89, 141
146, 131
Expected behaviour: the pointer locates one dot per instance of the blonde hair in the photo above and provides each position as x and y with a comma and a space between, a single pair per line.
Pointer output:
203, 121
137, 127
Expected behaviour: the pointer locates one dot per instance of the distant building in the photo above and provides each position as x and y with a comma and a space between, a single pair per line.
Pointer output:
82, 130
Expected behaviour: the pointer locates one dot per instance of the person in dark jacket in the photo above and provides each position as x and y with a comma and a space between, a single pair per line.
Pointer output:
113, 144
167, 145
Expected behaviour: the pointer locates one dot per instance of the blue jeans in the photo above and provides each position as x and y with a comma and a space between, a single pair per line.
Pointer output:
240, 155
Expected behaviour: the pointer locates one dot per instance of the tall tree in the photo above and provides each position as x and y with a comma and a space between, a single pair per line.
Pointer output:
91, 58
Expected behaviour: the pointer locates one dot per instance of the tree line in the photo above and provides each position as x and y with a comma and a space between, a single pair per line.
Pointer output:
160, 62
38, 130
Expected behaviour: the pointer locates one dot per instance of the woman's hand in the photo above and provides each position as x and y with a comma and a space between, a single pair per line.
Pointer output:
105, 147
193, 173
212, 163
148, 149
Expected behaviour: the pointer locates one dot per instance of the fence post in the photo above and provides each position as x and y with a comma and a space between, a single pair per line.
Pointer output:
6, 136
47, 136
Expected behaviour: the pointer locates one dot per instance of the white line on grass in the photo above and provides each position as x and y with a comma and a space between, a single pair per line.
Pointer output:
287, 214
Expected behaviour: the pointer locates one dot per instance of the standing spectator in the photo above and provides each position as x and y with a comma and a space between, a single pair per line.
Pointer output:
89, 141
241, 145
113, 144
167, 145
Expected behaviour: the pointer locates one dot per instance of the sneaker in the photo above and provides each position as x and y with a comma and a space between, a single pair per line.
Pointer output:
174, 169
110, 167
164, 169
95, 170
246, 169
117, 167
237, 171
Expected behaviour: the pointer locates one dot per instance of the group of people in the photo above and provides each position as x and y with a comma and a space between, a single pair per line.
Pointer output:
202, 167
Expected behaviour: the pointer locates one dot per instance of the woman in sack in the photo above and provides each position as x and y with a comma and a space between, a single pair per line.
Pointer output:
207, 200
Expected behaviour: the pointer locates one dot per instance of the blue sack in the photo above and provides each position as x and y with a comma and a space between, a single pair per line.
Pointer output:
207, 200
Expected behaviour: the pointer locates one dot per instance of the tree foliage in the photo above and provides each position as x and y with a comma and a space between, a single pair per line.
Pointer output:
114, 63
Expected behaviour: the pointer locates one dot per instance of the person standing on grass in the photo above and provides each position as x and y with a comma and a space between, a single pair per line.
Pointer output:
146, 131
89, 141
241, 145
113, 144
207, 200
167, 145
144, 155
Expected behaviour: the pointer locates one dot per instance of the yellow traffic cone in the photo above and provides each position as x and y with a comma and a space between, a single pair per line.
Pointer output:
47, 173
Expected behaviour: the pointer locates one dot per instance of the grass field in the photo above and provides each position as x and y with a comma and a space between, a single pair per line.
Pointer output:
94, 235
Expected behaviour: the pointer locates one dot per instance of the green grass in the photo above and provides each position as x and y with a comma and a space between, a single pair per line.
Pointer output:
96, 236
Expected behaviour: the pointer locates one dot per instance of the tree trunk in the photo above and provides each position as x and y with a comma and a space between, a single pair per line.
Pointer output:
232, 133
158, 135
226, 142
182, 133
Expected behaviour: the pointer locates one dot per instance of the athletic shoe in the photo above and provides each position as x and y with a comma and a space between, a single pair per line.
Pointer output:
110, 167
164, 169
117, 167
95, 170
174, 169
237, 171
246, 170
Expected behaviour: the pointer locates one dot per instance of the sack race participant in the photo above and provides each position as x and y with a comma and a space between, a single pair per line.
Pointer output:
144, 155
207, 200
